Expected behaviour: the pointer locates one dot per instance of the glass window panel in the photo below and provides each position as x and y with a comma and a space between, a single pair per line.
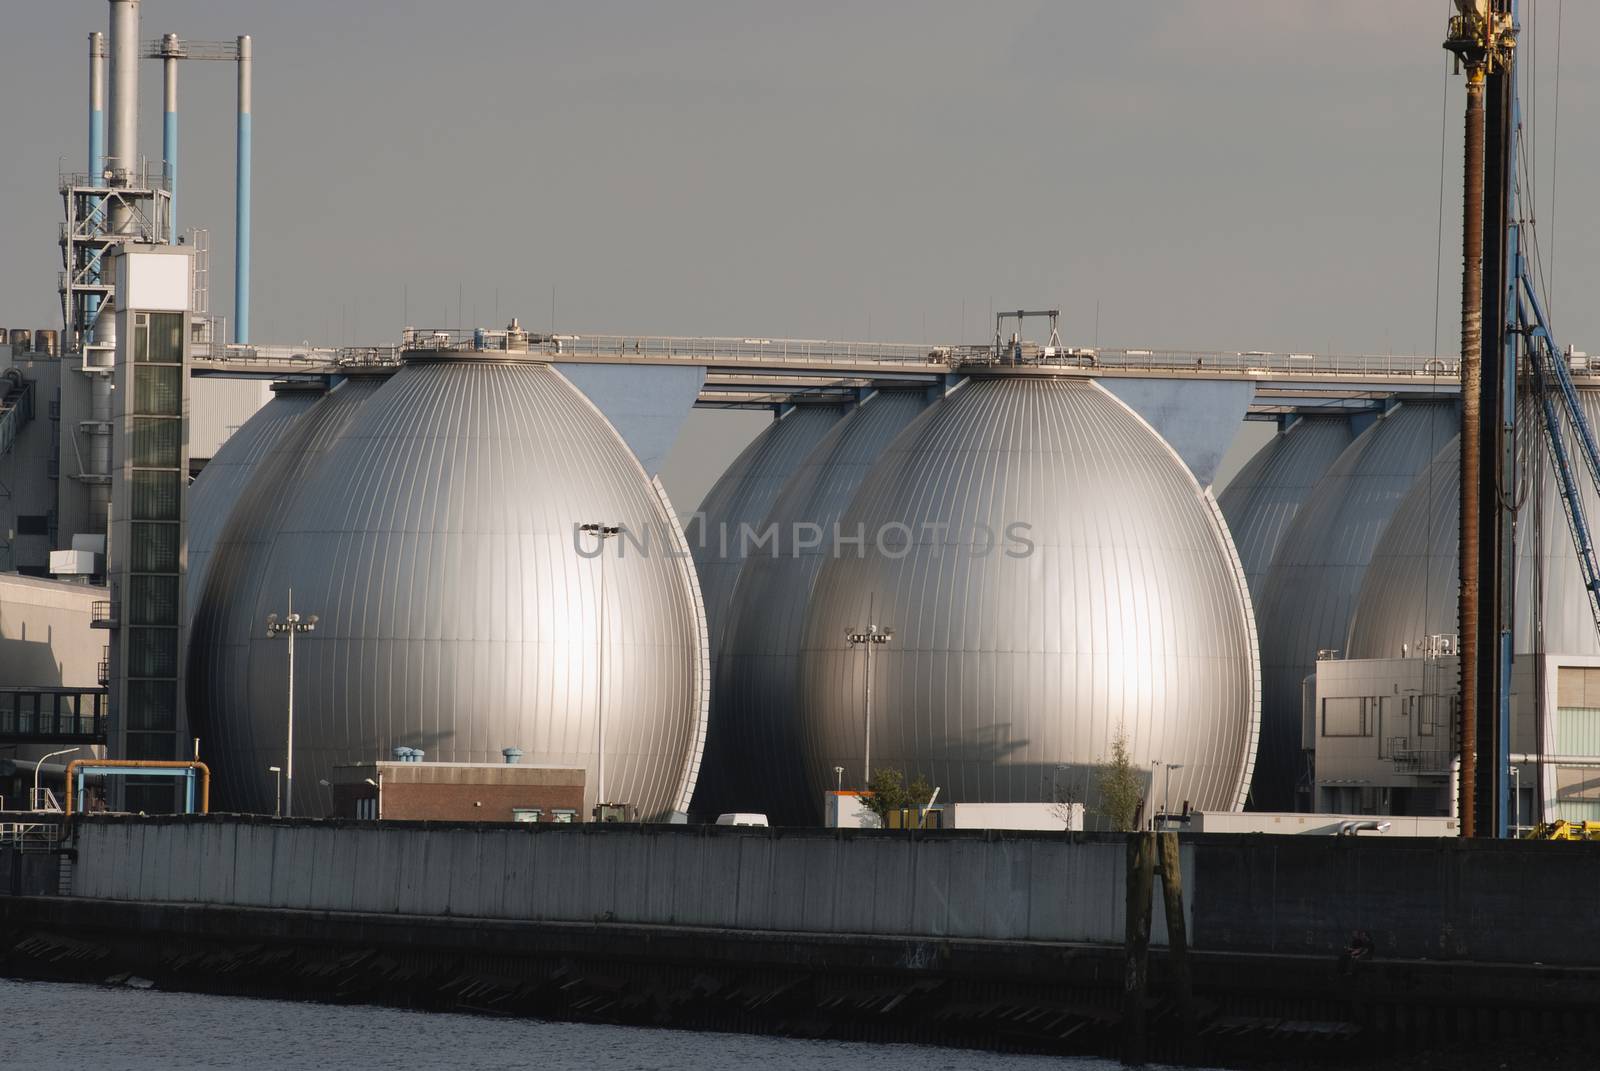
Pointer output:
152, 705
158, 390
166, 338
156, 495
152, 600
154, 547
157, 442
152, 652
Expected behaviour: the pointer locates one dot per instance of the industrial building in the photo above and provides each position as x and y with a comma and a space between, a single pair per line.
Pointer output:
411, 789
984, 564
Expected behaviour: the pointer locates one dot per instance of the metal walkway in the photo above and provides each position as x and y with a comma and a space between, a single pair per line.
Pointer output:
761, 372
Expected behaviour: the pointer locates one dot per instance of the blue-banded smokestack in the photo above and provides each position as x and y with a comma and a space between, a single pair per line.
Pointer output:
97, 106
241, 249
171, 52
97, 146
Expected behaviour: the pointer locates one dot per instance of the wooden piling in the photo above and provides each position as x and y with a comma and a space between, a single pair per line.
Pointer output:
1177, 933
1136, 971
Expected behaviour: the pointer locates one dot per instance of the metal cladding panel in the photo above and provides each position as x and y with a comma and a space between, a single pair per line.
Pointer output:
436, 540
1310, 592
1410, 591
223, 480
1412, 588
1013, 667
1261, 502
753, 760
741, 499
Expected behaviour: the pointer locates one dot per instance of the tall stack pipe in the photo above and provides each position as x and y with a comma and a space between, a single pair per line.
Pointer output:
122, 160
97, 156
171, 49
241, 249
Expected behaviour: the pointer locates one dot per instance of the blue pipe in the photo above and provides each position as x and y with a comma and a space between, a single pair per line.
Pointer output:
169, 164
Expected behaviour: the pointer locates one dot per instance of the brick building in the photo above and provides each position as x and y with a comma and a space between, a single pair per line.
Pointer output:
458, 791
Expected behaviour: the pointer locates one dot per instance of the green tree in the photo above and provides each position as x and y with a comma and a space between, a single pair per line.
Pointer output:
890, 793
1121, 790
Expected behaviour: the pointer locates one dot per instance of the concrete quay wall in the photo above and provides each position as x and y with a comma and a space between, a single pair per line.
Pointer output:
982, 886
1516, 902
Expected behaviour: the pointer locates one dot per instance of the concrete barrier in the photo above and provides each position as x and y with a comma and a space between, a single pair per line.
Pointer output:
1008, 886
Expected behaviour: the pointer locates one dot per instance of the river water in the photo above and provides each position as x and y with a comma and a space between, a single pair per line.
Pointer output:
51, 1024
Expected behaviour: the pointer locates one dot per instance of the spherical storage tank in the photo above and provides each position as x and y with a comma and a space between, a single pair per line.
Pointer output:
721, 532
1262, 500
459, 610
225, 476
1412, 587
1054, 576
755, 725
1316, 574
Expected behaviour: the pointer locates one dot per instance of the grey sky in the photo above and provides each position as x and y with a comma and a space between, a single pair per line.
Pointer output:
1237, 174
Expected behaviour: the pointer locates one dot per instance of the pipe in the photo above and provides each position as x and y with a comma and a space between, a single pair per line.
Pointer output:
199, 768
170, 48
1471, 443
97, 159
241, 248
123, 136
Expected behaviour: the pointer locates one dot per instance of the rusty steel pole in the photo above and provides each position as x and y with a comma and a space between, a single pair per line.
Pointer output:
1471, 431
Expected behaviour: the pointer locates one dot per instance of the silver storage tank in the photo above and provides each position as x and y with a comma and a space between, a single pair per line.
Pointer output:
1054, 576
1311, 589
215, 491
753, 760
1411, 589
1262, 499
436, 538
742, 497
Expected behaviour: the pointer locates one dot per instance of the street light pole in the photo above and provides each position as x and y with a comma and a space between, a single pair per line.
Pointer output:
601, 532
33, 804
291, 624
1166, 794
869, 636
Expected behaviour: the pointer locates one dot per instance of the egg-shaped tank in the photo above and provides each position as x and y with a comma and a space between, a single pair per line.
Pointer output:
1412, 587
1055, 578
729, 519
1262, 499
753, 755
461, 609
1311, 589
216, 490
221, 599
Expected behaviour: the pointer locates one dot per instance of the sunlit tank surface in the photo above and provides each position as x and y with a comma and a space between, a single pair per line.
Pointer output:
1261, 501
1412, 588
460, 611
220, 484
1311, 590
742, 498
753, 760
1054, 576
